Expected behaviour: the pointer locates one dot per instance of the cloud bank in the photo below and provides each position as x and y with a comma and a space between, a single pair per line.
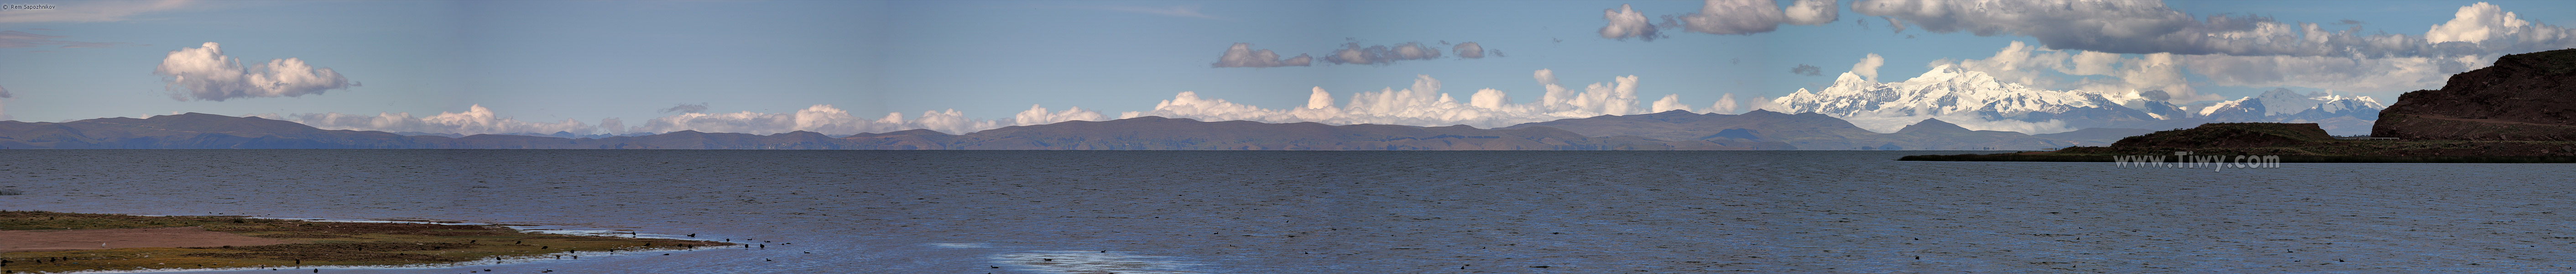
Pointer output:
204, 73
1423, 104
823, 119
1721, 17
1352, 53
1755, 16
2144, 27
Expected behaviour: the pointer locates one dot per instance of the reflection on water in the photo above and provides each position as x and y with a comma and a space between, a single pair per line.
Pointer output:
1367, 212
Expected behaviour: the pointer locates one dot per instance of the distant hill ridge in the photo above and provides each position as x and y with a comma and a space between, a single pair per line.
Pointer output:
1760, 130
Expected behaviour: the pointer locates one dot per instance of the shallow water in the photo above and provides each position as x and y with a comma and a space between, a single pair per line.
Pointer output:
1374, 212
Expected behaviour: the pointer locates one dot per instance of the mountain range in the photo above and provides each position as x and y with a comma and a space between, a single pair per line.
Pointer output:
1980, 101
1674, 130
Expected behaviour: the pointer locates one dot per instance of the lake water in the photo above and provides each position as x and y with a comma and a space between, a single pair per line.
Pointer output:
1374, 212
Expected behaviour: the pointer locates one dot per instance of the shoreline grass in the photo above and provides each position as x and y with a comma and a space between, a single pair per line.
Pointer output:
312, 243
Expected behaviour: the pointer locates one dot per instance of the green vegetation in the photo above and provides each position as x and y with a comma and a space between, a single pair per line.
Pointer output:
313, 243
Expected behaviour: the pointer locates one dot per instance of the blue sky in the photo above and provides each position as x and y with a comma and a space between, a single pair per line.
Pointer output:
539, 63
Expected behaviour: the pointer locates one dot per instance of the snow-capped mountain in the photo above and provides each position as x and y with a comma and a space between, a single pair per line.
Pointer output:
1975, 100
1971, 99
2284, 105
2338, 114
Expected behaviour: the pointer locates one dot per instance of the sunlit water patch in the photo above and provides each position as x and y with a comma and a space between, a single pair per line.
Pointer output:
1096, 262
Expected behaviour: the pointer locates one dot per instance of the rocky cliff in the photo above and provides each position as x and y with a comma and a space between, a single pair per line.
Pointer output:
2526, 97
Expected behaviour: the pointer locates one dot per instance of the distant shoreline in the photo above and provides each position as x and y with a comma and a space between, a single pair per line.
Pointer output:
2283, 159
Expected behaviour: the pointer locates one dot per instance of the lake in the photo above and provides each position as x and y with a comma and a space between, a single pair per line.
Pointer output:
1373, 211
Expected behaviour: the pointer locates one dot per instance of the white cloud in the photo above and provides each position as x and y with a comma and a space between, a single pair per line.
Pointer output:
2161, 76
1352, 53
2477, 22
475, 120
88, 11
817, 118
1867, 68
1627, 23
204, 73
1038, 115
1241, 55
1726, 104
2382, 76
1319, 99
1421, 104
1755, 16
1813, 12
1670, 102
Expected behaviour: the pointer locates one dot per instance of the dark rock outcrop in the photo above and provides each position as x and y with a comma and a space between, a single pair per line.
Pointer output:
2528, 97
2231, 135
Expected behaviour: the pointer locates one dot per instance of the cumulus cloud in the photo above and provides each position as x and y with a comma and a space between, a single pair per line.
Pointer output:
4, 93
2386, 76
1038, 115
1422, 104
1628, 23
1241, 55
1468, 50
2481, 22
1813, 12
204, 73
1670, 102
2143, 27
687, 108
1352, 53
2161, 76
1726, 104
1867, 68
1806, 69
1755, 16
2130, 80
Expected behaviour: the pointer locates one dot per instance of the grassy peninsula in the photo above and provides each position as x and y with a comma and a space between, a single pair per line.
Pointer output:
293, 243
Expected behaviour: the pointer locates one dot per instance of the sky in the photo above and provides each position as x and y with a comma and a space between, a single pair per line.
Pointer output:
845, 67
